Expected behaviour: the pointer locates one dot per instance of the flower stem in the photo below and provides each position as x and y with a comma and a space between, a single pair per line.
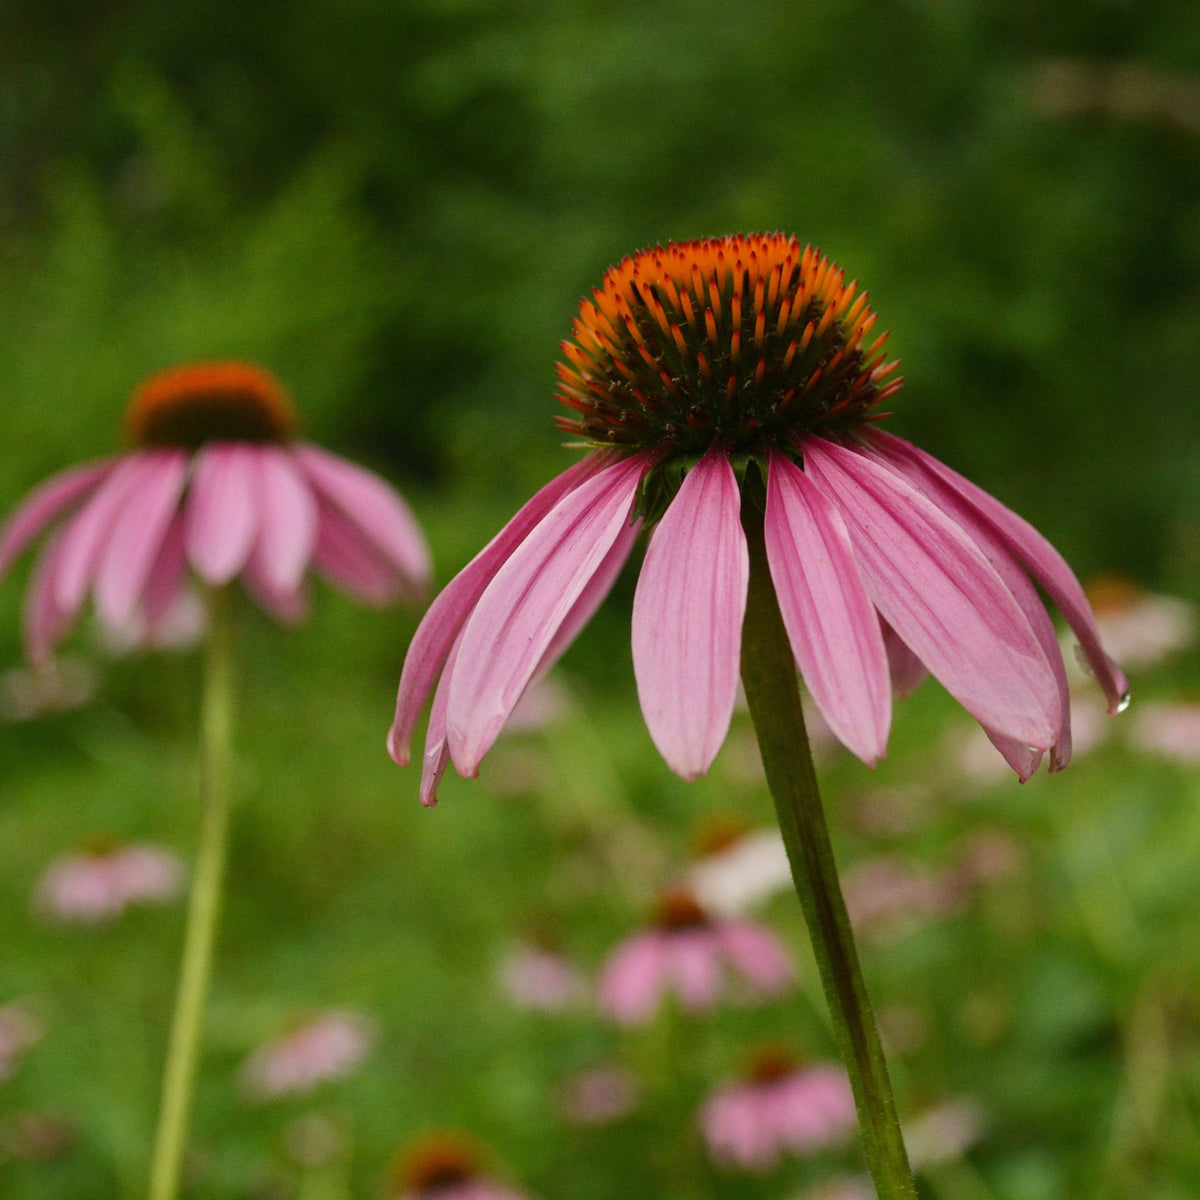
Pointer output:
773, 695
204, 904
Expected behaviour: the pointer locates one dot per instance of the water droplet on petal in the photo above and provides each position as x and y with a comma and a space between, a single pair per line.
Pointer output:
1123, 703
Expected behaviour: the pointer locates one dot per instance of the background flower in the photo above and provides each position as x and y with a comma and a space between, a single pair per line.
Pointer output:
100, 882
215, 484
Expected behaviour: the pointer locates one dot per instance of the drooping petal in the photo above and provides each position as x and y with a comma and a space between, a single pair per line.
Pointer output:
996, 550
631, 981
591, 597
86, 535
289, 606
1040, 558
757, 955
687, 618
47, 502
287, 529
935, 587
437, 749
165, 585
45, 620
345, 557
906, 670
222, 510
830, 620
373, 507
446, 615
691, 964
527, 601
137, 535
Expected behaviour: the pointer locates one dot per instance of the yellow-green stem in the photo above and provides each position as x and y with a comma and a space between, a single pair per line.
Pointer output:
204, 905
773, 696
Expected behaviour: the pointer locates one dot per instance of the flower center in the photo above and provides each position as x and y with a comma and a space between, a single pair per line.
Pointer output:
205, 402
747, 341
435, 1162
679, 909
770, 1063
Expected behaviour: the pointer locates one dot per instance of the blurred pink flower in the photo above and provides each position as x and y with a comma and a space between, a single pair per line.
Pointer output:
326, 1047
688, 364
1169, 731
694, 955
101, 881
537, 978
20, 1030
891, 894
1140, 628
739, 871
599, 1096
780, 1108
444, 1165
216, 483
944, 1132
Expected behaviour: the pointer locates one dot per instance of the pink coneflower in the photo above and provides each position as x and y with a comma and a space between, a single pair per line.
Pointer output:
694, 955
599, 1096
329, 1046
444, 1166
743, 370
215, 483
537, 978
779, 1108
101, 881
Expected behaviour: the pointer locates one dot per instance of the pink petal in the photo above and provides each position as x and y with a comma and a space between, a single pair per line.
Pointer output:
44, 505
288, 606
1041, 559
287, 530
137, 535
345, 557
1021, 758
905, 669
757, 954
533, 593
450, 609
437, 750
86, 535
46, 621
166, 582
830, 620
631, 982
222, 510
934, 586
591, 597
692, 966
687, 618
373, 507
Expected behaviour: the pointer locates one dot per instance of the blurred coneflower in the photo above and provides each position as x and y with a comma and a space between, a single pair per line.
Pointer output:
779, 1107
444, 1165
697, 957
215, 488
321, 1048
214, 483
104, 878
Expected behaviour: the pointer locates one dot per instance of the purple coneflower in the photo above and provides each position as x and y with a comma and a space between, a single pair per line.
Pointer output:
215, 483
744, 370
329, 1046
106, 877
694, 955
780, 1107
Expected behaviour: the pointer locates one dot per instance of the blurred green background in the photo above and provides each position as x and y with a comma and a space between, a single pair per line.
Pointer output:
396, 207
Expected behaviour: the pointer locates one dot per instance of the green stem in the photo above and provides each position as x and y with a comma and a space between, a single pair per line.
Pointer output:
204, 905
773, 695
